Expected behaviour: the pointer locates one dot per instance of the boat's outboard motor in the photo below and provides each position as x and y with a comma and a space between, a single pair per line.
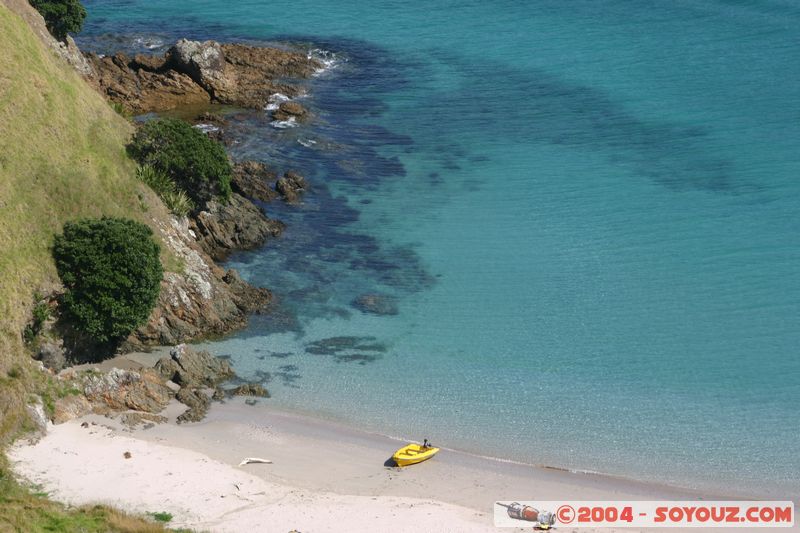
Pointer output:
518, 511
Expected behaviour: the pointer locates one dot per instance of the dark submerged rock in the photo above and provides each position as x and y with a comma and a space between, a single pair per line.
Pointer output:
290, 186
250, 389
376, 304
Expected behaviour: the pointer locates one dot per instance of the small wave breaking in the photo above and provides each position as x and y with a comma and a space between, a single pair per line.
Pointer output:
275, 101
207, 128
328, 59
284, 124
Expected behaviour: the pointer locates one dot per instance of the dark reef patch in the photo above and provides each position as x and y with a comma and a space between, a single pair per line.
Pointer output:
335, 345
348, 349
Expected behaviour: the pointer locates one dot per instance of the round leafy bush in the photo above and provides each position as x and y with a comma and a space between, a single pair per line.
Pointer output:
61, 16
112, 273
197, 164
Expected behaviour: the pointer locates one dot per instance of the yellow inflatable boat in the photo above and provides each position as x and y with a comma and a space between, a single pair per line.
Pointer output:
414, 453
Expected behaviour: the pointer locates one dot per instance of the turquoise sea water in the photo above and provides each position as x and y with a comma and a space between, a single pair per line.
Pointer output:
588, 213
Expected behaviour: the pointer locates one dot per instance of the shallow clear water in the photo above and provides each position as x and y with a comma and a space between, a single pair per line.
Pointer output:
587, 212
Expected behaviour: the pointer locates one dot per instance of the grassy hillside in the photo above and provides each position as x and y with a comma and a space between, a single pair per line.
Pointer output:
62, 156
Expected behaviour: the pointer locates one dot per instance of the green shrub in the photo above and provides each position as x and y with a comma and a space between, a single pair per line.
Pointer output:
61, 16
41, 312
176, 200
162, 516
112, 273
197, 164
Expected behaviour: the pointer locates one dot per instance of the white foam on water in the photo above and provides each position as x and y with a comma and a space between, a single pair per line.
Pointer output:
150, 43
308, 143
284, 124
207, 128
275, 101
328, 59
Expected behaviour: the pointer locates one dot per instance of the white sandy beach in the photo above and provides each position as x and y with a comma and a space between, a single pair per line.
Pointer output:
324, 477
88, 465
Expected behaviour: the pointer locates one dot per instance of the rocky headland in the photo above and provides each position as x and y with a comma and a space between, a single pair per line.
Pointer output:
200, 299
193, 72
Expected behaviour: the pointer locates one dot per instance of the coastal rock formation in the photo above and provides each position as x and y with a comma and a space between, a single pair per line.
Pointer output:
250, 389
203, 62
200, 301
193, 72
140, 89
376, 304
252, 178
126, 389
137, 418
290, 186
236, 225
191, 368
250, 66
290, 110
197, 402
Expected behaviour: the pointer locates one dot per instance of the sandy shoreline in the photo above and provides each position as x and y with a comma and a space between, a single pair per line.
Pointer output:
324, 476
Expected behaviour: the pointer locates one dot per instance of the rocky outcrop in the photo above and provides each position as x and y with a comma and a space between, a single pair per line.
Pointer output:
132, 84
203, 62
191, 368
138, 396
127, 389
197, 402
249, 66
290, 110
250, 389
235, 225
203, 300
290, 186
135, 419
51, 354
193, 72
252, 178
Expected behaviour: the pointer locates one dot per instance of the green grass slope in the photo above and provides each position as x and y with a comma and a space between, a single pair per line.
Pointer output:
62, 156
